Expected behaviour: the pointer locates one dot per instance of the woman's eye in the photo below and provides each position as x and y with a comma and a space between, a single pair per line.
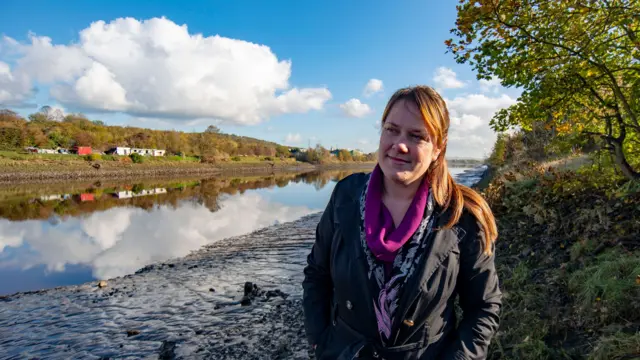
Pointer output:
391, 130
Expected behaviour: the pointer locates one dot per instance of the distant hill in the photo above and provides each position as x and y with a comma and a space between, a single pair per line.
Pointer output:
49, 130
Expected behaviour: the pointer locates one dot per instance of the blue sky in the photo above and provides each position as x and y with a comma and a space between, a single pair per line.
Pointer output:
326, 50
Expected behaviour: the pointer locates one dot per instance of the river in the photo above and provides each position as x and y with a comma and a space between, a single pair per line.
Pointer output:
70, 233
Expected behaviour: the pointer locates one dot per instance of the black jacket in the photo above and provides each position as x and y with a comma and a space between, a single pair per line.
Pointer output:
338, 304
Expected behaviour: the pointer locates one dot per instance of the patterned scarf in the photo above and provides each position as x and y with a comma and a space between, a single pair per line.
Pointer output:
404, 264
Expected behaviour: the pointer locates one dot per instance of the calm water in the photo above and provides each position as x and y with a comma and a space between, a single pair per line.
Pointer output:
70, 233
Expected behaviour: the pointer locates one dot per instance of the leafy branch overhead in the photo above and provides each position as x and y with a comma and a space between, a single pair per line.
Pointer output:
577, 62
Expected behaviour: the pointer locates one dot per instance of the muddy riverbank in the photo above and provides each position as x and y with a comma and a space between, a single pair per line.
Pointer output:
51, 172
194, 307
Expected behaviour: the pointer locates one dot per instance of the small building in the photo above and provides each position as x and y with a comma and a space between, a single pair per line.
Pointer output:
46, 151
119, 150
82, 150
125, 151
87, 197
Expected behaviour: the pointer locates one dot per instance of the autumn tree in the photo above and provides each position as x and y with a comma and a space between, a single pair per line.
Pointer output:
344, 155
577, 62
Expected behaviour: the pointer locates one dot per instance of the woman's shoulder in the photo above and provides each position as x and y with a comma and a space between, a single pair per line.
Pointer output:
352, 182
467, 226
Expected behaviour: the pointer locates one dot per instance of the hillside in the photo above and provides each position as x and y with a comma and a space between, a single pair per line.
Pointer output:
43, 130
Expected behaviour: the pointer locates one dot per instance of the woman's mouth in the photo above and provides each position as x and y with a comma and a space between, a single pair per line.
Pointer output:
398, 161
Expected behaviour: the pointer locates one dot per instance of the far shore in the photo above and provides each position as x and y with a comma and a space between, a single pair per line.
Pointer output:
29, 172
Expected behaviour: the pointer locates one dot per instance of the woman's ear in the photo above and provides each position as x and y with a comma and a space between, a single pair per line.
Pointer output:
438, 150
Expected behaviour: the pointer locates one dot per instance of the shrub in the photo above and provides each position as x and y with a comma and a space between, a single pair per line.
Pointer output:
93, 157
235, 158
136, 158
267, 158
126, 160
110, 157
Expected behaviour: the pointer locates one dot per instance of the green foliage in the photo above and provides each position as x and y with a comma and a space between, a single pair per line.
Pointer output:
608, 287
93, 157
617, 347
136, 158
235, 158
577, 63
499, 152
110, 157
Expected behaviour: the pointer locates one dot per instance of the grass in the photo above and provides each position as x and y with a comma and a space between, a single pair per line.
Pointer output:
561, 300
617, 347
17, 162
607, 288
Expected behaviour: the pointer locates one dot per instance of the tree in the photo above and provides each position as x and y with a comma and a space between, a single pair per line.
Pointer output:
52, 114
578, 63
344, 155
212, 129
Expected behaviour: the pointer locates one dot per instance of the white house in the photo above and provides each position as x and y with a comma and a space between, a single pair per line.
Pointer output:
46, 151
129, 194
125, 151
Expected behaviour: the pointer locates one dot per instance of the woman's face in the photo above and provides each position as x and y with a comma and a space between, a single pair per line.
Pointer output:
405, 151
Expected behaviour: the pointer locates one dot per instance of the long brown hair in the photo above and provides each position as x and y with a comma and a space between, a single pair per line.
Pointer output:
446, 192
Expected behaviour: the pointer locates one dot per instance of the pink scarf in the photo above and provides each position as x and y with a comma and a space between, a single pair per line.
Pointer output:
383, 238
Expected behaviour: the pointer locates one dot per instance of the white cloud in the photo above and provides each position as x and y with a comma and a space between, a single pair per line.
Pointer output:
446, 78
293, 138
490, 85
469, 133
156, 68
15, 88
373, 86
355, 108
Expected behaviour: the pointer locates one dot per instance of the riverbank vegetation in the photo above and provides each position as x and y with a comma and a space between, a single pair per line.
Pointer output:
565, 185
568, 255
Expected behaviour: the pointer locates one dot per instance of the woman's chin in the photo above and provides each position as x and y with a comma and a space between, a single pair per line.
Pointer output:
397, 175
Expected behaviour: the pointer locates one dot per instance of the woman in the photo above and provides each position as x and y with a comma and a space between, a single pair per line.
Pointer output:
394, 248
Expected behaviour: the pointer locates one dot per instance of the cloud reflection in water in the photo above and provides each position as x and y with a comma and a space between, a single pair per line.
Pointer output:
121, 240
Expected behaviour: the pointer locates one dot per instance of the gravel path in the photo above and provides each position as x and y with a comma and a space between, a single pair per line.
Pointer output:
193, 307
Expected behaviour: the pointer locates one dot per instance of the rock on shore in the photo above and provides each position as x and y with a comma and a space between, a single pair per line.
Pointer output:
198, 307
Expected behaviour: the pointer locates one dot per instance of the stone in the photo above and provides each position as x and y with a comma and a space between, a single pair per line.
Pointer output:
167, 350
133, 332
102, 283
248, 288
246, 301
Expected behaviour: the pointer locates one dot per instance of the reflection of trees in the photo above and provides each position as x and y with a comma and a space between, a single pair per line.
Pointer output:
22, 203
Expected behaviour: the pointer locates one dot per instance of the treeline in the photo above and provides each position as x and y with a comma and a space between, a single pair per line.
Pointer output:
50, 129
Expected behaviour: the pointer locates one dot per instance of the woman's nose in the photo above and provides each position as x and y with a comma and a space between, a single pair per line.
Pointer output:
401, 147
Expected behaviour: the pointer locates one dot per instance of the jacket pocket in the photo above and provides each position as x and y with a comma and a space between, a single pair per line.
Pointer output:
325, 336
